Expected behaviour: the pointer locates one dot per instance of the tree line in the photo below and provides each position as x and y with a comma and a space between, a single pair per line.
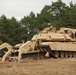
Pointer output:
58, 14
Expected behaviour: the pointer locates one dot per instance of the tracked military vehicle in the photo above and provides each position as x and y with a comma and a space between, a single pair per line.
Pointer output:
56, 43
59, 43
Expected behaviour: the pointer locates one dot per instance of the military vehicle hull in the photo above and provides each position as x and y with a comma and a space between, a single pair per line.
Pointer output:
60, 49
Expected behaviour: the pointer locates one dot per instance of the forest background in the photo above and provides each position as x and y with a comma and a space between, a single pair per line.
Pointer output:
58, 14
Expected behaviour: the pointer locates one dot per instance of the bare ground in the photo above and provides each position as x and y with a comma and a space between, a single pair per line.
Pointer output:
49, 66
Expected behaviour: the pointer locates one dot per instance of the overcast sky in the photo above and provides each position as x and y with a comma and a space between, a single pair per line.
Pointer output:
21, 8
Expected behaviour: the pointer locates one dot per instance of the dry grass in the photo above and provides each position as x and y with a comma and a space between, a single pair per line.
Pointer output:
39, 67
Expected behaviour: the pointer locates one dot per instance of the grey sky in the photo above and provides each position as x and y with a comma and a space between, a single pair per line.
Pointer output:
21, 8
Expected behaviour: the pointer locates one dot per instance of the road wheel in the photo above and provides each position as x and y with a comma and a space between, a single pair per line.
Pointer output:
66, 54
70, 54
56, 53
74, 54
62, 54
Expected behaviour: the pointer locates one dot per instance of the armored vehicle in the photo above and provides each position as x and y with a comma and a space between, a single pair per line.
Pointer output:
56, 43
59, 43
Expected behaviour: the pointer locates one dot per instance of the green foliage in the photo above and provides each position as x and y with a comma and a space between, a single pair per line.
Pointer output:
58, 14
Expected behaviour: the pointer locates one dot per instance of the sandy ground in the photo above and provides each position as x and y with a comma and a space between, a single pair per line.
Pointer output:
49, 66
